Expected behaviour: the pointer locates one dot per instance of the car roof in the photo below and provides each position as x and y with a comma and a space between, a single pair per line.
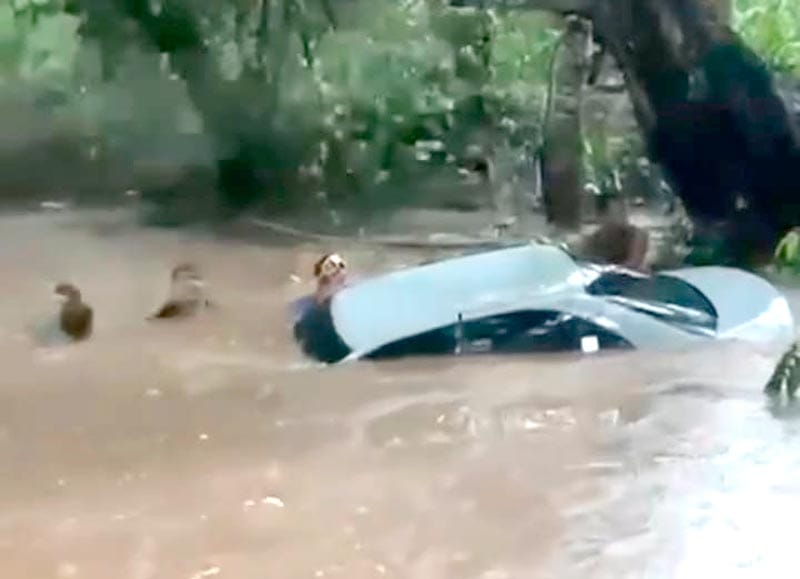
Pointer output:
404, 303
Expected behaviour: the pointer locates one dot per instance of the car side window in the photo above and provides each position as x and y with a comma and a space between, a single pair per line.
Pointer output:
516, 332
537, 331
435, 342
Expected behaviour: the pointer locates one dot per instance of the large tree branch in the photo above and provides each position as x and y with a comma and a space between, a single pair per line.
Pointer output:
708, 108
607, 26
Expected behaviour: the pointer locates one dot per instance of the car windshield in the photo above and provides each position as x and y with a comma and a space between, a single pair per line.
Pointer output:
662, 296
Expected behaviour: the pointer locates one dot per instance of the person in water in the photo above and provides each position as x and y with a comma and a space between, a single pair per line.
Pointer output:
76, 317
617, 241
313, 324
330, 272
186, 294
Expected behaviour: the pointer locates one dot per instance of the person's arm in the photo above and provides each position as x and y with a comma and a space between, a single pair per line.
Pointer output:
637, 252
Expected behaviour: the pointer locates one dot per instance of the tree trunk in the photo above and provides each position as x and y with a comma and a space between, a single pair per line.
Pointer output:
709, 111
562, 151
719, 128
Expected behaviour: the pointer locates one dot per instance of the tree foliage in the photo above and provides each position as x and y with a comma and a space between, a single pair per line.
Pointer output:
771, 28
293, 102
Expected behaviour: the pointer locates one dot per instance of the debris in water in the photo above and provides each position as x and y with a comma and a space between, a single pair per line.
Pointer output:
786, 374
530, 424
273, 501
208, 572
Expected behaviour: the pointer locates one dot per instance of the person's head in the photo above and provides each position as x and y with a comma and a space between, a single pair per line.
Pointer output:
67, 292
187, 273
330, 272
187, 282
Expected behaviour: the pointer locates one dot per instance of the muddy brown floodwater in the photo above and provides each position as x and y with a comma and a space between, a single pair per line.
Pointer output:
212, 449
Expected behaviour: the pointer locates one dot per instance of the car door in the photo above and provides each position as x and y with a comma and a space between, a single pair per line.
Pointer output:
531, 331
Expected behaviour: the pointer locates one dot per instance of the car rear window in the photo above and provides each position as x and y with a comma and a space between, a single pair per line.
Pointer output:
665, 297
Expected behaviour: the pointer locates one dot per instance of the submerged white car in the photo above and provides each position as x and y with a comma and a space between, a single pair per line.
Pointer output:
538, 298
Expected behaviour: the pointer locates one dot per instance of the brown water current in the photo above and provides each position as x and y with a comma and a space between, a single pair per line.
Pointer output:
211, 448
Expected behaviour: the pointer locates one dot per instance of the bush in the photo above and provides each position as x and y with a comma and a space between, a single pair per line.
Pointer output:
771, 28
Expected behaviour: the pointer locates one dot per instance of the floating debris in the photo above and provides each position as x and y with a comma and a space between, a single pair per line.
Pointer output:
786, 374
273, 501
208, 572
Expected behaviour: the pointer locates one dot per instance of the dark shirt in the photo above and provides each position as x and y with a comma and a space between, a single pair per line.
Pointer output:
315, 332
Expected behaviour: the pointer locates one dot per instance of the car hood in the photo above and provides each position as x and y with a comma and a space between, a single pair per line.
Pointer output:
748, 306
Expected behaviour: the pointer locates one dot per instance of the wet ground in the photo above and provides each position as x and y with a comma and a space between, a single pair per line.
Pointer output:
212, 449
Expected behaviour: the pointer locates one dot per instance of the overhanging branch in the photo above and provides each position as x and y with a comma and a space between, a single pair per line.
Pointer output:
604, 15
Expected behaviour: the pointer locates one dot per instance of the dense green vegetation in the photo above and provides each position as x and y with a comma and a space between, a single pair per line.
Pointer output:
349, 101
771, 28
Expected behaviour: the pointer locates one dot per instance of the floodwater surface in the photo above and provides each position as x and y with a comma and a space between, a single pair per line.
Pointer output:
211, 448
